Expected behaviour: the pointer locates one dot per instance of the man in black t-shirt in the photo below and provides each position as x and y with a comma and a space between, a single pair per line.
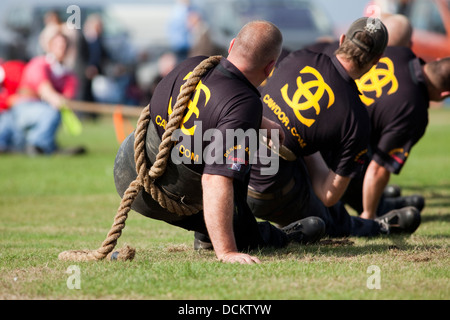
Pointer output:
315, 99
396, 92
205, 167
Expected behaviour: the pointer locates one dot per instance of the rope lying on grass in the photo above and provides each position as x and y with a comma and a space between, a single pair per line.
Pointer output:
145, 178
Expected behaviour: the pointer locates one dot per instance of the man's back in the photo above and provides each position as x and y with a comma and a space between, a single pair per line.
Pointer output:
396, 97
317, 104
223, 100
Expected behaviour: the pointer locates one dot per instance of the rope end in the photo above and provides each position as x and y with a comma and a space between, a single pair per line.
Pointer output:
123, 254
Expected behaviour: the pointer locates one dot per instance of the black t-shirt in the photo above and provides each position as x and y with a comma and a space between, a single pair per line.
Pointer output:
224, 103
397, 100
317, 104
396, 97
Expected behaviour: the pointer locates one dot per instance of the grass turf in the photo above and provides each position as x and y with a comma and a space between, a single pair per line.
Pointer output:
52, 204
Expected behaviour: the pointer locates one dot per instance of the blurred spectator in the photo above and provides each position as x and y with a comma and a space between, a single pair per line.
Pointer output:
10, 75
51, 20
105, 80
76, 57
200, 40
166, 63
93, 32
388, 7
149, 73
178, 30
46, 83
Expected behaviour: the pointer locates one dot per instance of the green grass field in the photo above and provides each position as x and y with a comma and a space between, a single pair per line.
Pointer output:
52, 204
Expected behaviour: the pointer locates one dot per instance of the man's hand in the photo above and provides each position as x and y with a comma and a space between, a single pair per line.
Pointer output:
51, 96
218, 212
241, 258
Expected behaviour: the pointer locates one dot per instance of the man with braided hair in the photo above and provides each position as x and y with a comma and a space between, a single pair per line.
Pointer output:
225, 99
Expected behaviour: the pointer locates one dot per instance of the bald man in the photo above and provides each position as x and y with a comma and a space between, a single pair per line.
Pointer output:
226, 99
400, 31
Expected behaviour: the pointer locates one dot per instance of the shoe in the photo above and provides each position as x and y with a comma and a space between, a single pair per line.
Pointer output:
75, 151
404, 220
33, 151
202, 242
415, 200
392, 191
202, 245
308, 230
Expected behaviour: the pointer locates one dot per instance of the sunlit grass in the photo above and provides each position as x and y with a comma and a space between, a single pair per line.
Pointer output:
52, 204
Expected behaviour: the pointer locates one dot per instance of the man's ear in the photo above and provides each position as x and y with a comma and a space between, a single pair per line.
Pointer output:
268, 69
341, 39
231, 45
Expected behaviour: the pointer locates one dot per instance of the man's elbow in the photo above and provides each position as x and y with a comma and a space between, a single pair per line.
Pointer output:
330, 201
330, 197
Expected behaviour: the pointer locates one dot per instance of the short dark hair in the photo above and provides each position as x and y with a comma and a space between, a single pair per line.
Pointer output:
439, 73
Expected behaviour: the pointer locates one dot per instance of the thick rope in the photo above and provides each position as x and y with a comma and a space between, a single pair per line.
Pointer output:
145, 179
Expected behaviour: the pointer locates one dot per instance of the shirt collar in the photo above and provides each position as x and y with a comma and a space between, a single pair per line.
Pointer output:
341, 69
230, 70
416, 70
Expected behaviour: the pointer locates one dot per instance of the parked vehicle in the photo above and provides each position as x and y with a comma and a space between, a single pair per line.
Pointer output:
301, 22
431, 22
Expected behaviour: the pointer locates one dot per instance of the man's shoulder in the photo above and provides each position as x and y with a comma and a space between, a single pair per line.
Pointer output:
399, 53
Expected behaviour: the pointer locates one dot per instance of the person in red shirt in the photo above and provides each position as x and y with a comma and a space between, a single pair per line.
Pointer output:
44, 87
10, 75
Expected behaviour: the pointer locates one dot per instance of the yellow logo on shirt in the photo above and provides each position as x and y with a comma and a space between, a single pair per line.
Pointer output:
311, 100
376, 79
192, 106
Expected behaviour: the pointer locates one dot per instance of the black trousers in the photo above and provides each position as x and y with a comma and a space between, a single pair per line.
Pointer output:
354, 195
301, 202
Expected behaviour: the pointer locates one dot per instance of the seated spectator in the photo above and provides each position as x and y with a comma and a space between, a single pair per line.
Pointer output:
44, 87
10, 75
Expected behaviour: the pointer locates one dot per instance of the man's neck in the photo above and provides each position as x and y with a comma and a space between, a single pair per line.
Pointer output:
349, 66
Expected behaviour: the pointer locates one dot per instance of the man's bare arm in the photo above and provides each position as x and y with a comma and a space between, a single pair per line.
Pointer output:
218, 212
375, 180
328, 186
